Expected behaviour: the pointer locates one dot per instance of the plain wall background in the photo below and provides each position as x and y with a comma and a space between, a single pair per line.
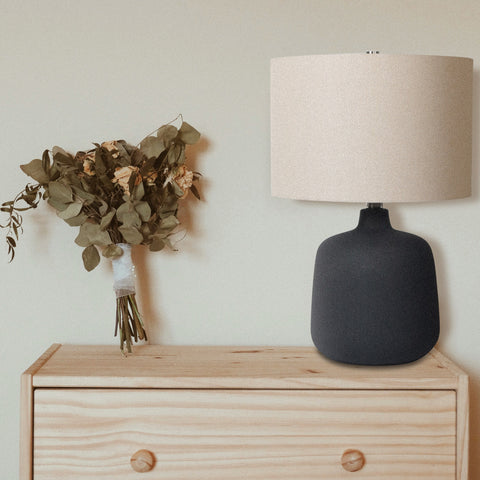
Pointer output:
75, 72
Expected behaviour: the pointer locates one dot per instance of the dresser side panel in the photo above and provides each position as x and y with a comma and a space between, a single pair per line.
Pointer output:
27, 412
463, 423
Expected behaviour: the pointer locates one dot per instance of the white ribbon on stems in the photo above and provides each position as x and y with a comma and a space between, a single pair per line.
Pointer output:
124, 272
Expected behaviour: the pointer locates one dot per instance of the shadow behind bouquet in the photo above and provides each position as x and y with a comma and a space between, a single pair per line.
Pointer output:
119, 195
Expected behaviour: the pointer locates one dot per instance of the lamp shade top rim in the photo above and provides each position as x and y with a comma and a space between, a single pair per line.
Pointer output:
376, 55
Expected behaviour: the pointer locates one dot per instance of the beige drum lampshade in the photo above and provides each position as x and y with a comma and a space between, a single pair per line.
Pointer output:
371, 127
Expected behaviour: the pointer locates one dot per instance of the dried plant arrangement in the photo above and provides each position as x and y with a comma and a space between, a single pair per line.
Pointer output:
118, 195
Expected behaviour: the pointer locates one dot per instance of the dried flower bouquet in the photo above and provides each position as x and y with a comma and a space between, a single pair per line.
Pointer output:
119, 195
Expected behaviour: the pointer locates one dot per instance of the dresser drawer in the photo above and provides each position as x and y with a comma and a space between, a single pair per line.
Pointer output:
244, 434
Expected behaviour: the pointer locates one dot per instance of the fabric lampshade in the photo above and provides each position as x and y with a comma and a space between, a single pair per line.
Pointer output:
371, 127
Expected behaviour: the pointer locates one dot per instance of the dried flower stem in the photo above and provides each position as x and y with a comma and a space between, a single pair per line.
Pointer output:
129, 323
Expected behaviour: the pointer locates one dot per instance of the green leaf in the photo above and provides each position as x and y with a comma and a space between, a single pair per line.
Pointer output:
157, 244
100, 168
188, 134
152, 147
131, 219
72, 179
91, 257
144, 210
168, 207
138, 192
112, 251
147, 167
145, 229
53, 173
168, 224
122, 152
59, 151
137, 158
77, 221
57, 205
107, 219
46, 161
176, 154
90, 234
71, 211
83, 238
60, 192
103, 207
61, 156
80, 192
35, 170
167, 133
124, 209
131, 235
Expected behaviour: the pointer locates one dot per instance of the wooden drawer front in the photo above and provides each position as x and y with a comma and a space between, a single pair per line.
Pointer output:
243, 434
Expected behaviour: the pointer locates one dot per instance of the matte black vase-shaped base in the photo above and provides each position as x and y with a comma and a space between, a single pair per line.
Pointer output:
375, 296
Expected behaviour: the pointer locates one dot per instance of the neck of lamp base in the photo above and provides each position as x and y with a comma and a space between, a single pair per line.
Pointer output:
374, 218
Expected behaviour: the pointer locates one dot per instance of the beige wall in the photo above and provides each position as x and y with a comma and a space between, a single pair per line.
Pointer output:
74, 72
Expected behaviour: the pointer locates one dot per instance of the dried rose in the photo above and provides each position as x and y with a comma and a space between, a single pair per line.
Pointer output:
122, 177
111, 147
184, 179
89, 163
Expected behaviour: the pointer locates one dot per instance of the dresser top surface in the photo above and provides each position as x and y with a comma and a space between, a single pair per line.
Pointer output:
157, 366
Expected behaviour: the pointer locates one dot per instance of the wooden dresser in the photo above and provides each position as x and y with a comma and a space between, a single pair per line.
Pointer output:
234, 413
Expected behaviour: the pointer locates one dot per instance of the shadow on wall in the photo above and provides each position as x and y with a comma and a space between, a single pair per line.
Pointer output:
150, 296
187, 206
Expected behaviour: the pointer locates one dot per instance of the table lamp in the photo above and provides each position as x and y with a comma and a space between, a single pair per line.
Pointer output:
372, 128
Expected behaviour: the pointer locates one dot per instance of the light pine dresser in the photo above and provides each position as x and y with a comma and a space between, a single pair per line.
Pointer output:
235, 413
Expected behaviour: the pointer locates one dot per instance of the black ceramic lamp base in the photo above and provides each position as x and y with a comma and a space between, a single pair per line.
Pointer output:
375, 296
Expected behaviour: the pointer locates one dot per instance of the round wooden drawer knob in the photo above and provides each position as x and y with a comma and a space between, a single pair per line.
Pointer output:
353, 460
142, 461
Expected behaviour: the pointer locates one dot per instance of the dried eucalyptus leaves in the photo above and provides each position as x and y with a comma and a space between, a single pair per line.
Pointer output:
116, 193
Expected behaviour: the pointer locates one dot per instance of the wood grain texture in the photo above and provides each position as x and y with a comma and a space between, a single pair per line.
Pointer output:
26, 413
463, 413
237, 434
156, 366
240, 412
463, 430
